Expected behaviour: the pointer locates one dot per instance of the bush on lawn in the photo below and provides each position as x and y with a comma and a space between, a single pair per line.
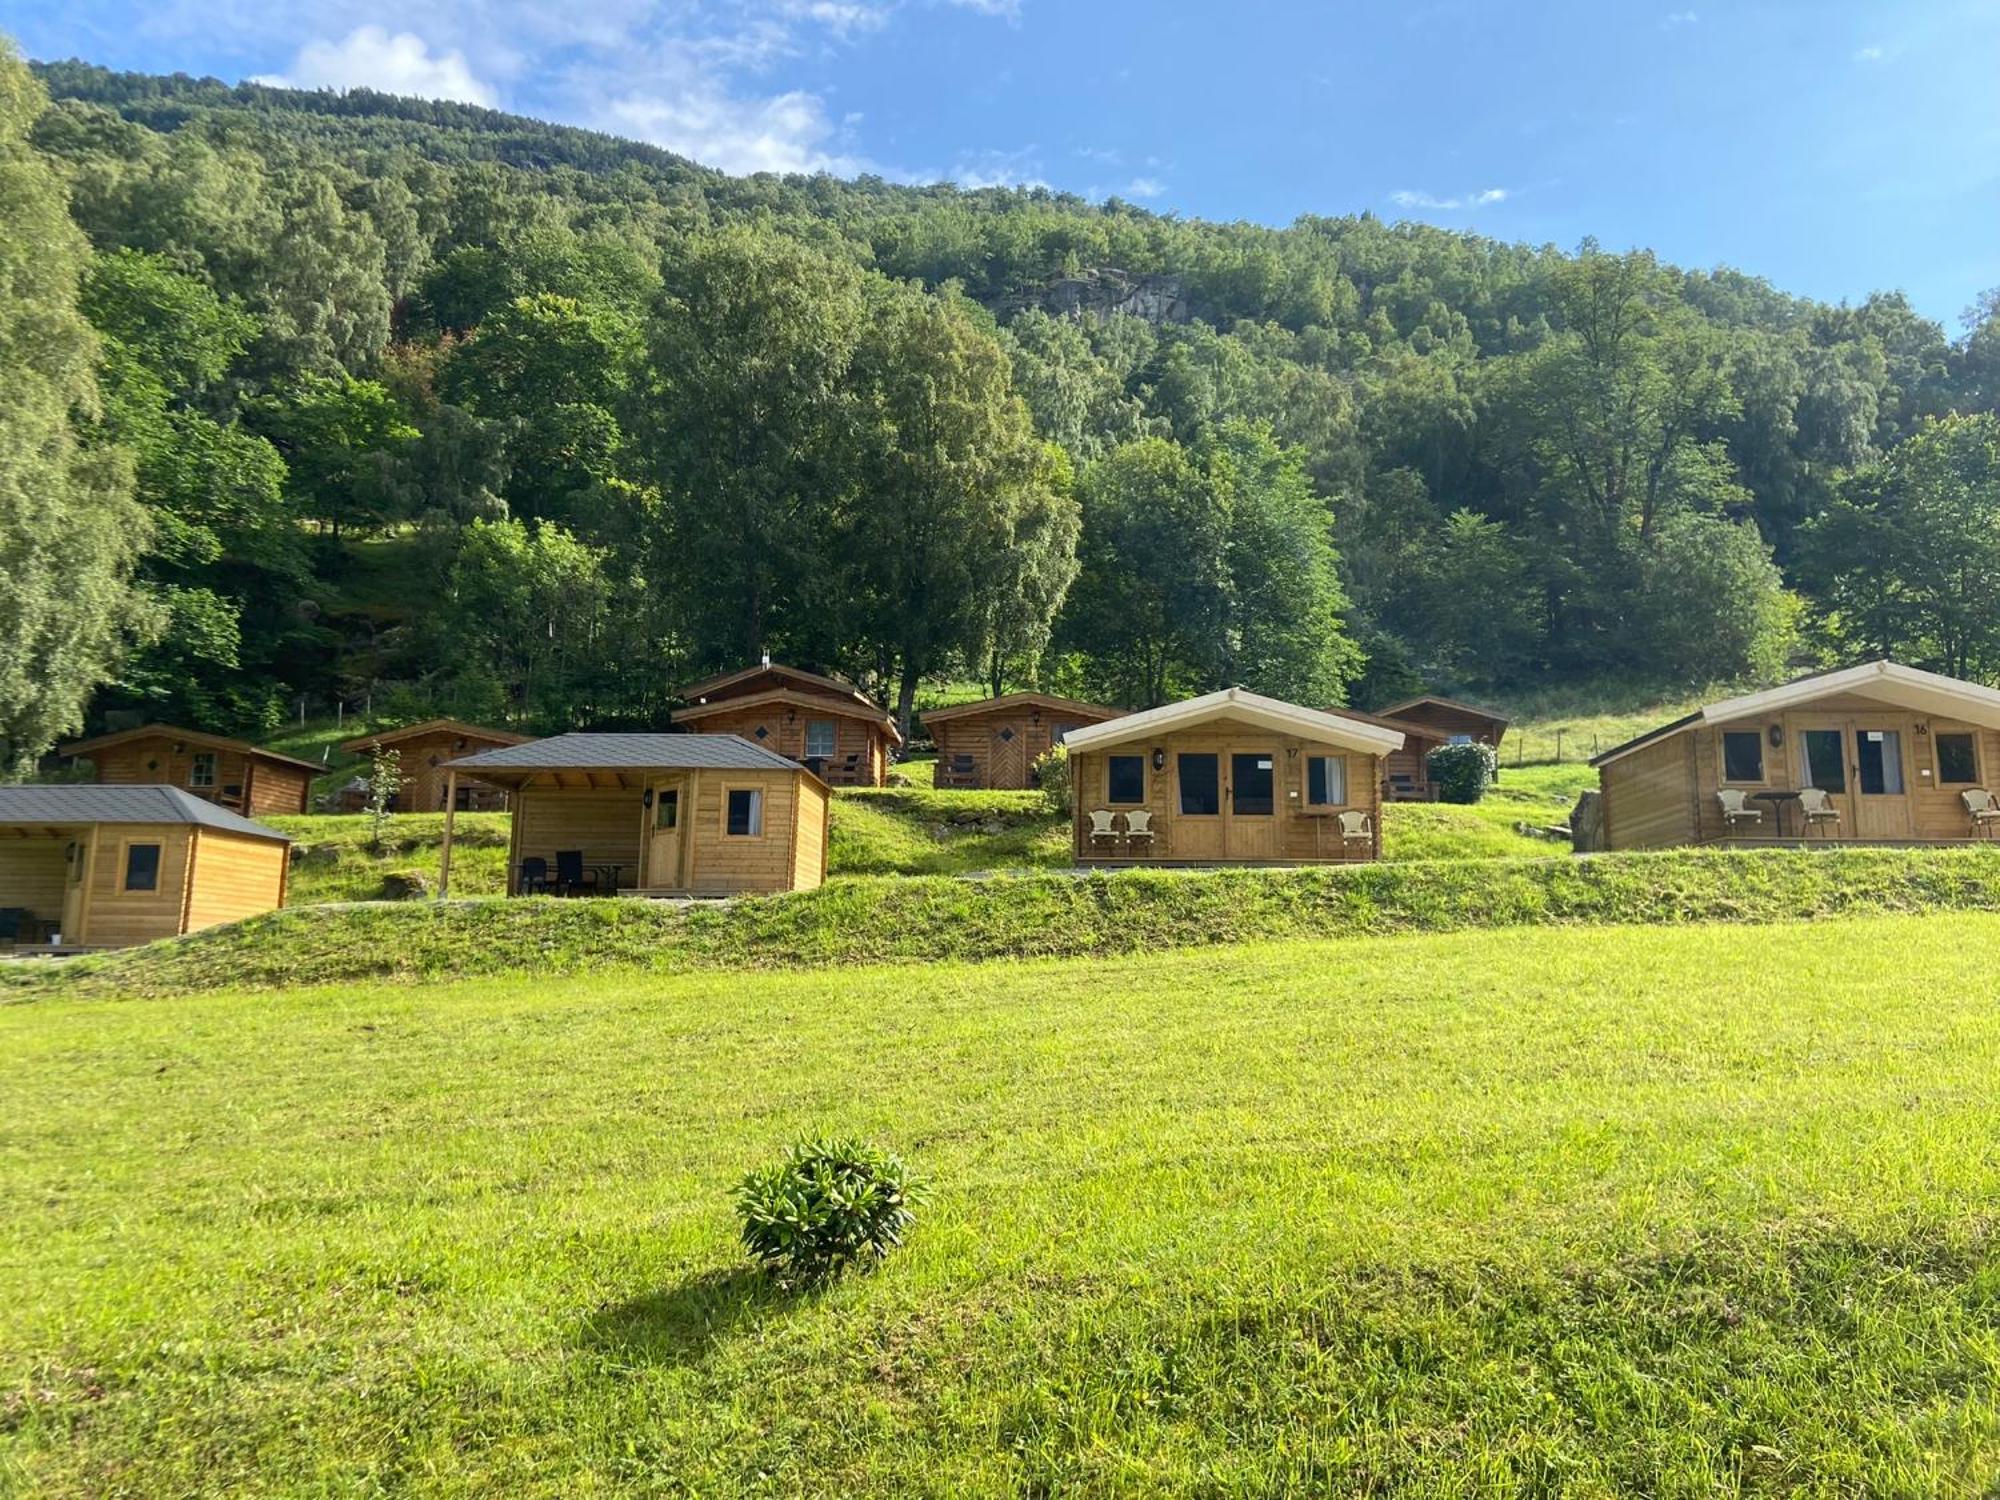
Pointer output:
1051, 772
1462, 773
827, 1205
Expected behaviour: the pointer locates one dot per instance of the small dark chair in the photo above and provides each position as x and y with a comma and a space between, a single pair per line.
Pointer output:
535, 876
959, 771
12, 919
571, 877
849, 773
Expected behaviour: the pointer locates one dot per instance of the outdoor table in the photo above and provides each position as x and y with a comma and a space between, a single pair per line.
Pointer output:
607, 880
1779, 800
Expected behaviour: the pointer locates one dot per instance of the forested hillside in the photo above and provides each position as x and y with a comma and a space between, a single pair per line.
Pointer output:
340, 395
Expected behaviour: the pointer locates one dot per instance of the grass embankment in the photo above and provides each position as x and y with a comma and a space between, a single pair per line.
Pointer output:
938, 918
1665, 1212
335, 857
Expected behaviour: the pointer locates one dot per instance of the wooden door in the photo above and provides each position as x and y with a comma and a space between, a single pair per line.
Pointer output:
1252, 803
1007, 758
1197, 821
76, 873
664, 843
1881, 777
1825, 762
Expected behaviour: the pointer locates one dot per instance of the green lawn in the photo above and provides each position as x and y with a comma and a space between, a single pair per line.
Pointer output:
1667, 1212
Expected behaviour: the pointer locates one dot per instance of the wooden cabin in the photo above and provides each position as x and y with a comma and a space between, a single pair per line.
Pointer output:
652, 814
1230, 778
235, 774
110, 866
1427, 723
825, 724
1884, 753
994, 743
423, 750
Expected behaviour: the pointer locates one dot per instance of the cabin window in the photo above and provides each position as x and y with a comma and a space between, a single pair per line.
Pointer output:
1879, 753
667, 809
1061, 733
1326, 781
1201, 785
1252, 788
201, 771
1958, 760
1125, 778
1742, 755
1459, 739
746, 813
1825, 760
142, 867
819, 738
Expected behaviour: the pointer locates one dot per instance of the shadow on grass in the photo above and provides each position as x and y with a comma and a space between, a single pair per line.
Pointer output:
681, 1325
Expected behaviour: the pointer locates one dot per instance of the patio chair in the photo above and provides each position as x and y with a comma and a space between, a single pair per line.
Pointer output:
571, 877
1984, 810
1101, 829
12, 919
1355, 828
847, 772
534, 876
1737, 810
1138, 827
960, 771
1817, 808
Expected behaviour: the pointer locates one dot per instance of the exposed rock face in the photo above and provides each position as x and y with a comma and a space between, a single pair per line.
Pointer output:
1106, 290
1586, 824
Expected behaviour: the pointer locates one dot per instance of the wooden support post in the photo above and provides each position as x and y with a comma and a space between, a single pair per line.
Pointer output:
450, 812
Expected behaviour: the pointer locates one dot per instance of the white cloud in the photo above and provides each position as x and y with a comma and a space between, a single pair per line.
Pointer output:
1484, 198
785, 133
987, 169
1009, 10
839, 16
1678, 18
372, 58
1145, 187
1871, 54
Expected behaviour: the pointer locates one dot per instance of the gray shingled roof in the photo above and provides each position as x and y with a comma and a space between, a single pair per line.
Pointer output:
630, 752
123, 804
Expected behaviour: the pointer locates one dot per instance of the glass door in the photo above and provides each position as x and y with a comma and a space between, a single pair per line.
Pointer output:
1253, 804
1823, 763
663, 852
1197, 829
1881, 787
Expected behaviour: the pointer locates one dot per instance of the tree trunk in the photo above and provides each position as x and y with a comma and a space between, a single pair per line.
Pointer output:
906, 697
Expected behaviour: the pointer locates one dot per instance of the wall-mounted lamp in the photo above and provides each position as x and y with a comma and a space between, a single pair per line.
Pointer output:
647, 800
1159, 760
1777, 736
1034, 716
791, 715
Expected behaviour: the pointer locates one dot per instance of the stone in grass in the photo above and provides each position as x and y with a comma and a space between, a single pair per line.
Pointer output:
405, 885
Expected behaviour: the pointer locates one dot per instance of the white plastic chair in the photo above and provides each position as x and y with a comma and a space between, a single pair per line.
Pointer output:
1101, 829
1139, 826
1818, 808
1983, 808
1735, 809
1356, 828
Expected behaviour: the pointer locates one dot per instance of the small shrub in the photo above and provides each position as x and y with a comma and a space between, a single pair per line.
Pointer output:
827, 1205
1462, 773
1051, 773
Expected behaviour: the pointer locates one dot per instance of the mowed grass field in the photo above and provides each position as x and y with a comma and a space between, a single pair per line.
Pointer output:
1535, 1211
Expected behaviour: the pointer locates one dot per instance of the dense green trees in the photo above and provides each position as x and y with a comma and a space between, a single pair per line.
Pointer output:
70, 533
360, 355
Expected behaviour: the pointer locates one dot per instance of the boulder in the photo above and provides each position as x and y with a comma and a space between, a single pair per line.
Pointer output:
1586, 824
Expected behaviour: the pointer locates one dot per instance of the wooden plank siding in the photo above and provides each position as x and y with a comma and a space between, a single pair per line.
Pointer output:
782, 727
1665, 793
114, 917
422, 758
604, 824
234, 877
1293, 836
259, 786
997, 763
33, 870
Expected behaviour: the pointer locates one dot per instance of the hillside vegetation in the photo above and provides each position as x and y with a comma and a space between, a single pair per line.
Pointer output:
1668, 1212
427, 408
934, 919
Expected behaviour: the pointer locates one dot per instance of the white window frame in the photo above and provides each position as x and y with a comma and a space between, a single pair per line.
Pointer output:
832, 729
1332, 760
756, 795
196, 780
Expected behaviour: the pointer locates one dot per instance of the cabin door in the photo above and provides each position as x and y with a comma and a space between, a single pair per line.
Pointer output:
1824, 762
664, 840
1197, 821
76, 871
1253, 804
1007, 758
1881, 779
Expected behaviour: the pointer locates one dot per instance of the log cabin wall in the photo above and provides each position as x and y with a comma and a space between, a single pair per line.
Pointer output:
244, 783
782, 727
423, 758
1290, 835
234, 877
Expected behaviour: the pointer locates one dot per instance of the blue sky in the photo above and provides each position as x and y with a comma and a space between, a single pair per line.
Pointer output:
1834, 147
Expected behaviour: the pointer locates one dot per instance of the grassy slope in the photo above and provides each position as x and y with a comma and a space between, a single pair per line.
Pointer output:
1668, 1212
920, 919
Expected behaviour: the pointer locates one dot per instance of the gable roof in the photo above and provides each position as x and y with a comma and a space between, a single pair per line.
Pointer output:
1887, 682
191, 736
1401, 710
1005, 701
1346, 731
433, 726
694, 692
630, 752
124, 804
859, 708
